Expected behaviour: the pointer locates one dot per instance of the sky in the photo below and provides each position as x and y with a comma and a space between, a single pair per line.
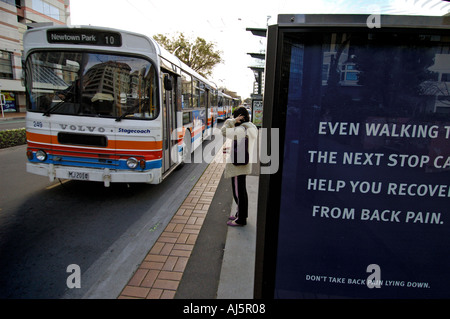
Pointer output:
225, 23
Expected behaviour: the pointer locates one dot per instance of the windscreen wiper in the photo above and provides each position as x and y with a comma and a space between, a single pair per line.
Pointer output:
53, 108
70, 93
120, 118
58, 105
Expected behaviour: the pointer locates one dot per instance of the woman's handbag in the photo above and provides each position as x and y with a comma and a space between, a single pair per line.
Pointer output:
239, 151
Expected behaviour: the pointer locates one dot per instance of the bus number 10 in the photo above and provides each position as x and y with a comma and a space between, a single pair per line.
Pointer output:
109, 40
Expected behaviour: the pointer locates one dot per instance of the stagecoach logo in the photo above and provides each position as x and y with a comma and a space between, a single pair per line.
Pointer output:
82, 128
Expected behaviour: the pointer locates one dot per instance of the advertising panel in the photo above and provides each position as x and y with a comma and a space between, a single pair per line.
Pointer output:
257, 107
365, 181
9, 101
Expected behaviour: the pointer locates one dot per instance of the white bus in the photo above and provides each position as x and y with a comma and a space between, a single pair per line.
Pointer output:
111, 106
236, 102
224, 106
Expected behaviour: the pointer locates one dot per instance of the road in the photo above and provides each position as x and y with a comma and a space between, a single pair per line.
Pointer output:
45, 227
12, 124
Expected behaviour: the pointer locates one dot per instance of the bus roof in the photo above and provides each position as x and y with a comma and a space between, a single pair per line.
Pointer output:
131, 42
68, 37
224, 94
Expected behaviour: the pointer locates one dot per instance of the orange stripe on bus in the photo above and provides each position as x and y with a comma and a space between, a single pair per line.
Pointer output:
138, 145
39, 138
112, 144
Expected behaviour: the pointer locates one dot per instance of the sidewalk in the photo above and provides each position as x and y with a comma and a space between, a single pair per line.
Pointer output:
240, 252
160, 273
12, 116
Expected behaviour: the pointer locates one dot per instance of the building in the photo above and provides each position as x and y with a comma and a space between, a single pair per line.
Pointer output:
258, 68
16, 16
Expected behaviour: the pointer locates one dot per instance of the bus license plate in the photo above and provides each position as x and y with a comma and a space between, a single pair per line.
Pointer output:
79, 175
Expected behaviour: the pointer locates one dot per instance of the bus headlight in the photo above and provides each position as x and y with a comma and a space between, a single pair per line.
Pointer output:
132, 162
41, 155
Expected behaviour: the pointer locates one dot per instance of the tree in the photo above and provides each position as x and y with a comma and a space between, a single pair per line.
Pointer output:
199, 55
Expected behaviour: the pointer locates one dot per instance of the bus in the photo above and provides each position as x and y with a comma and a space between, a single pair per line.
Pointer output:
111, 106
235, 102
224, 106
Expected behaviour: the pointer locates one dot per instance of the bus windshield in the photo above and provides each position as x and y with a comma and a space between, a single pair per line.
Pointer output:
91, 84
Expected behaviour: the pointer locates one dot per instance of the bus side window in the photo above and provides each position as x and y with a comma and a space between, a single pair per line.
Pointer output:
186, 117
186, 88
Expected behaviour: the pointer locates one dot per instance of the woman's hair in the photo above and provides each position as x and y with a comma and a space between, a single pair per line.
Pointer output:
241, 111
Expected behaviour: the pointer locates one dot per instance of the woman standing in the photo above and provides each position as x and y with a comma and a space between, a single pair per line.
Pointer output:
237, 128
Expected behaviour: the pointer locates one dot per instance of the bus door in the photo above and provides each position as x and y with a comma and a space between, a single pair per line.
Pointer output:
169, 120
208, 113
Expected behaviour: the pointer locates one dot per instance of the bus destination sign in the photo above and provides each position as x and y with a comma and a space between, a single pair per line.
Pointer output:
83, 36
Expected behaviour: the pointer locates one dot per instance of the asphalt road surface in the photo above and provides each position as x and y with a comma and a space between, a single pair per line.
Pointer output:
12, 124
